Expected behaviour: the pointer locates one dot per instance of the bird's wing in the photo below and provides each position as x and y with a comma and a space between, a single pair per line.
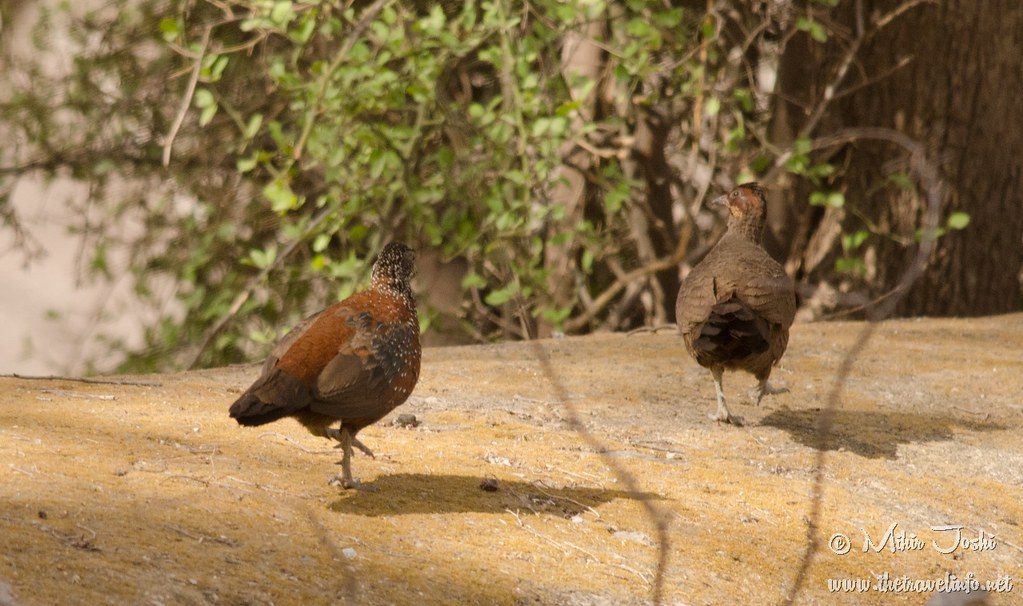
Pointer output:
694, 303
353, 383
771, 294
700, 291
282, 346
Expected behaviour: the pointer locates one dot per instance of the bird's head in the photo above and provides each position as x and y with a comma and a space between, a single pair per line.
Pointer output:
395, 265
747, 209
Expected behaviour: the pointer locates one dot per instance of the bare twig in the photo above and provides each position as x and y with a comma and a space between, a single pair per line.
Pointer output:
653, 329
539, 487
84, 380
622, 281
186, 99
78, 394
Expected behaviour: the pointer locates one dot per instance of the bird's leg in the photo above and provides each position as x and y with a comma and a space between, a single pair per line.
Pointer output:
336, 434
722, 415
365, 449
764, 388
345, 479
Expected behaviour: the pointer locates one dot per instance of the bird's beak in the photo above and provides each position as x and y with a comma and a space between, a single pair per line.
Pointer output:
720, 200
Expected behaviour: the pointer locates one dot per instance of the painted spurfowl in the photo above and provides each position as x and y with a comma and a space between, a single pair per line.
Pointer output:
353, 362
735, 307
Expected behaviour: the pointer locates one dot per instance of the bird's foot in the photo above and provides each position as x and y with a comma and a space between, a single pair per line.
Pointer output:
350, 483
765, 389
727, 417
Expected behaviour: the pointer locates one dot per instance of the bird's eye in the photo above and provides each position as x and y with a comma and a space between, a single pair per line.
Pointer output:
735, 194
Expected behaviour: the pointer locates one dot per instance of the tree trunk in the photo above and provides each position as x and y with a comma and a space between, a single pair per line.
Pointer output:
957, 96
581, 62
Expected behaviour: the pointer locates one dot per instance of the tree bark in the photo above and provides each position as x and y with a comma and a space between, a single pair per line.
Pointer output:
955, 95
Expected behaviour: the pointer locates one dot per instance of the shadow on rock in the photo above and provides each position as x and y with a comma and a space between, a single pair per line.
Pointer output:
420, 493
868, 433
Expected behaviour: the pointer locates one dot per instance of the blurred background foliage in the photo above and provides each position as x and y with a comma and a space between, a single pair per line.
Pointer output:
550, 159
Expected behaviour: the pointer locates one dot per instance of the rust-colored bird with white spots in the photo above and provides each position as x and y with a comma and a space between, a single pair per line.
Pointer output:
353, 362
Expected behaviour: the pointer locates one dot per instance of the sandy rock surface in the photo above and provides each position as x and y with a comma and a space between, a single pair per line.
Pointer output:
578, 471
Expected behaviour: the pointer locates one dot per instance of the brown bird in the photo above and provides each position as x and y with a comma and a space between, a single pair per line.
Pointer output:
353, 362
735, 307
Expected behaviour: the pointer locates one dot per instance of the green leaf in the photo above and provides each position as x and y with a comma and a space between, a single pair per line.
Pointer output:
213, 67
473, 280
712, 106
925, 234
280, 196
502, 295
802, 146
815, 29
902, 181
834, 199
207, 115
555, 316
203, 98
305, 30
744, 98
252, 126
170, 28
320, 242
244, 165
282, 13
851, 242
587, 261
262, 259
958, 220
850, 265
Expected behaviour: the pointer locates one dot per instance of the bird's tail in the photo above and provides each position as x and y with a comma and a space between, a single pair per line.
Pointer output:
732, 331
250, 411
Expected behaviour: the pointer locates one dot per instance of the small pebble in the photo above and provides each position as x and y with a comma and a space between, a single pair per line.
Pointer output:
349, 553
489, 485
406, 420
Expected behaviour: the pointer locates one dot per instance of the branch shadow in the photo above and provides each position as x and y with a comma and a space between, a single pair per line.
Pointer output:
412, 493
868, 433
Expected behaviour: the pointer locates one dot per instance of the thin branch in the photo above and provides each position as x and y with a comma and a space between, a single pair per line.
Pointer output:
897, 11
186, 100
621, 282
83, 380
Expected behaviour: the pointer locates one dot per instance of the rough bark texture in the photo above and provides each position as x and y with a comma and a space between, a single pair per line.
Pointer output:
953, 96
